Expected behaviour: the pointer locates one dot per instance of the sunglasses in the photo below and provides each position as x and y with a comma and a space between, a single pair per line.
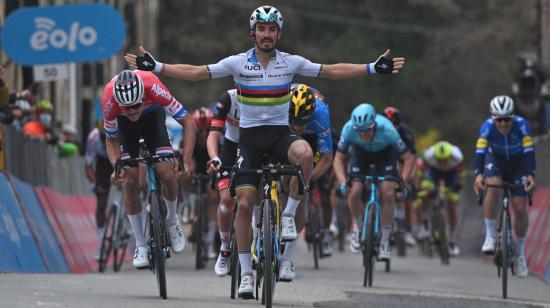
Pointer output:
505, 120
133, 107
363, 129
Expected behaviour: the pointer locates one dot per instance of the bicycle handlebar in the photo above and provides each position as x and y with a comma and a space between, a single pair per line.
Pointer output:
273, 170
147, 160
504, 186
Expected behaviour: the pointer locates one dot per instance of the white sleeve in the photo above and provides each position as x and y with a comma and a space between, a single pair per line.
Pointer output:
457, 154
303, 66
225, 67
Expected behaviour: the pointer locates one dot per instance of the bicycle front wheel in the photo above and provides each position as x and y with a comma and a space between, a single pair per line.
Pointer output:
107, 239
440, 231
505, 252
235, 269
269, 277
157, 241
123, 238
369, 255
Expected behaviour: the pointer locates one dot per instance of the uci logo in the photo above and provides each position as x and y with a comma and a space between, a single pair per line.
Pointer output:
46, 36
252, 67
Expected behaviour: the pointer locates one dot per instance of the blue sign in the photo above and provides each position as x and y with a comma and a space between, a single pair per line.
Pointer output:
65, 33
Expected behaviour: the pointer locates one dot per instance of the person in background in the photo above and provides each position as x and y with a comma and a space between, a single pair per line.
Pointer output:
41, 126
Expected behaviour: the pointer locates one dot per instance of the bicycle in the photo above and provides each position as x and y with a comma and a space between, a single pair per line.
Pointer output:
268, 245
234, 265
439, 235
199, 228
504, 248
158, 240
314, 232
116, 236
370, 233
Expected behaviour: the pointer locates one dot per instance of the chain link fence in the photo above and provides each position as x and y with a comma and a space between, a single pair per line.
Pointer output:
39, 164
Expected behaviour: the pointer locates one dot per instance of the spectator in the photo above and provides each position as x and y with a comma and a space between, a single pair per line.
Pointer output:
68, 145
41, 126
4, 96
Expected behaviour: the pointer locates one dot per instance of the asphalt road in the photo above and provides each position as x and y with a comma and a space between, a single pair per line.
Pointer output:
413, 282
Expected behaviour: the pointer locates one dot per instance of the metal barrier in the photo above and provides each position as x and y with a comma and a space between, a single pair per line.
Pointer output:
39, 164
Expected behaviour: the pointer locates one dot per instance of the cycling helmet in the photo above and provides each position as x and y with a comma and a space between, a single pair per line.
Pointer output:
502, 106
128, 88
442, 150
203, 117
363, 116
266, 13
302, 104
393, 114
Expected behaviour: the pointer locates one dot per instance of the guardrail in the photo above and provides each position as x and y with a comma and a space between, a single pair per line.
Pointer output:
39, 164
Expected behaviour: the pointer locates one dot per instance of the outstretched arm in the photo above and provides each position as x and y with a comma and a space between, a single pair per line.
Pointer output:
383, 65
146, 62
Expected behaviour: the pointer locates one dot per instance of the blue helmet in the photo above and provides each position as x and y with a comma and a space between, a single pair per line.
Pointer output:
362, 117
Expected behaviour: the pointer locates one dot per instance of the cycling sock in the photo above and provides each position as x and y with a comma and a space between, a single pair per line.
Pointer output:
358, 222
386, 230
224, 238
490, 227
291, 206
399, 213
212, 227
136, 222
99, 233
521, 246
171, 211
334, 219
328, 236
246, 262
289, 250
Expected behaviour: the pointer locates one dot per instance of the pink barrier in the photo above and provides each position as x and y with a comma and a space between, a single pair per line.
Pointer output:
538, 236
73, 221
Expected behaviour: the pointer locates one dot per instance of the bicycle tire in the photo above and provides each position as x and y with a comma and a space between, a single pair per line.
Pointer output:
441, 238
505, 257
157, 244
369, 257
268, 281
107, 240
123, 239
314, 229
343, 223
235, 268
200, 224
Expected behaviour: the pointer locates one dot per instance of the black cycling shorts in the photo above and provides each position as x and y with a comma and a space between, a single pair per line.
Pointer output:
228, 156
103, 171
151, 127
385, 162
254, 142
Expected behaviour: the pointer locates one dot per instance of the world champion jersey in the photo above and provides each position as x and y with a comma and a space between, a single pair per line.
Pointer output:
227, 112
385, 135
156, 96
264, 93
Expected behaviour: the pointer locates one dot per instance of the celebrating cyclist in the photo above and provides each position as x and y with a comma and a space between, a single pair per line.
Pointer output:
505, 152
404, 210
373, 140
98, 170
263, 76
443, 162
133, 105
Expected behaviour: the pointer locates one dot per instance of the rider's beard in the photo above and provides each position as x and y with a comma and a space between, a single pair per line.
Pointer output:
273, 44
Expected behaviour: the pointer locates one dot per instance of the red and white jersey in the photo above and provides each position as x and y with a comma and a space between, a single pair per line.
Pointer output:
156, 96
227, 112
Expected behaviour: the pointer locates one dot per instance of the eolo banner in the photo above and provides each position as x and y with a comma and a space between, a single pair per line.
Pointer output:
64, 33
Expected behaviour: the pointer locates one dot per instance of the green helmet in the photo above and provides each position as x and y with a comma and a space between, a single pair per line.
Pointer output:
443, 150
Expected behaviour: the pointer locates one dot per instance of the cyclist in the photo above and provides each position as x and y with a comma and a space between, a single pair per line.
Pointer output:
309, 118
98, 170
263, 76
226, 117
394, 115
443, 162
132, 109
505, 152
203, 117
373, 140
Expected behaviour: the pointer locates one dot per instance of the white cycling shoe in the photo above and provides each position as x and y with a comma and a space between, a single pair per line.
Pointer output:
177, 237
523, 270
141, 258
286, 271
222, 264
355, 243
289, 228
246, 289
488, 247
385, 251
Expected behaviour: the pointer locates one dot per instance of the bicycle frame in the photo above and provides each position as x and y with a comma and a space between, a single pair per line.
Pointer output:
373, 202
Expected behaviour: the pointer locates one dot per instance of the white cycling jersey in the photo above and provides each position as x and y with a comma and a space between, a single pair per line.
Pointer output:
455, 159
264, 93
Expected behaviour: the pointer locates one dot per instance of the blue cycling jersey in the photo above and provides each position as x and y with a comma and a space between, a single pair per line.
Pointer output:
385, 135
517, 144
319, 124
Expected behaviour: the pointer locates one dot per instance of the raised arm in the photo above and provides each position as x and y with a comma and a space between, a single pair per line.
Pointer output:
383, 65
146, 62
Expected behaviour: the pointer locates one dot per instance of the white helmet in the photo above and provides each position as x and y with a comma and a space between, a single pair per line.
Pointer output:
502, 106
266, 13
128, 88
